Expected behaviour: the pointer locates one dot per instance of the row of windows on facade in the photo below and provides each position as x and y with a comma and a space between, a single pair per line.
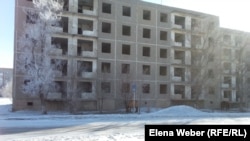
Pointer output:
126, 11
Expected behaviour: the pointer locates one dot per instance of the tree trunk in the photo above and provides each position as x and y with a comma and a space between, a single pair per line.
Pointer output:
43, 104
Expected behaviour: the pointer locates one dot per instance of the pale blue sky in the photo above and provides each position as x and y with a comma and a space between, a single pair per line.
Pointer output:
233, 14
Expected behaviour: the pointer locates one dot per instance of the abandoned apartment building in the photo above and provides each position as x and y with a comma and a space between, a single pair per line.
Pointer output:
116, 47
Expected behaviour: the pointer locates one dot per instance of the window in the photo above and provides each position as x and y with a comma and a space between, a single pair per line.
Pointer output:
146, 88
126, 49
106, 87
126, 30
163, 17
106, 27
146, 69
163, 35
105, 67
146, 15
125, 87
163, 53
106, 8
146, 51
106, 48
125, 68
126, 11
146, 33
86, 66
86, 87
163, 89
163, 70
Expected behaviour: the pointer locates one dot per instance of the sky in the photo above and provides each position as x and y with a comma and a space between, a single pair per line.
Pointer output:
105, 127
232, 13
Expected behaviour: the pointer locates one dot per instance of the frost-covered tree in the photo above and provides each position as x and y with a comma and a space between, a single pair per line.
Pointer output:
35, 43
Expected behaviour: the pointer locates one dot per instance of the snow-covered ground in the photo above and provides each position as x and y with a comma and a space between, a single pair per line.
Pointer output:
32, 126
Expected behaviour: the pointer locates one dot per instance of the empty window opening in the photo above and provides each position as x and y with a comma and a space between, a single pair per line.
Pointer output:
179, 72
105, 67
84, 25
146, 69
106, 8
146, 88
228, 80
126, 30
65, 5
29, 103
163, 70
146, 15
163, 17
179, 90
84, 46
126, 49
85, 5
146, 51
60, 45
59, 86
126, 11
179, 20
85, 66
125, 68
106, 87
164, 35
146, 33
180, 39
179, 55
195, 24
64, 24
106, 47
125, 87
227, 95
163, 53
85, 87
163, 88
59, 66
106, 27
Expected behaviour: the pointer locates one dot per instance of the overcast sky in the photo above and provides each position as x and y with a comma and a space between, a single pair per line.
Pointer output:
233, 14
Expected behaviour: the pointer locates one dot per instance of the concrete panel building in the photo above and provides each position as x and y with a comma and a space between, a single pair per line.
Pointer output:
147, 51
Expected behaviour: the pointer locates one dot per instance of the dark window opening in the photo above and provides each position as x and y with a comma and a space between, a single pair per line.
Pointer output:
179, 20
84, 46
105, 67
126, 49
146, 15
125, 87
163, 71
163, 89
163, 17
29, 103
106, 48
146, 33
86, 87
60, 46
106, 8
146, 69
163, 35
146, 51
125, 68
106, 87
106, 27
31, 17
146, 88
163, 53
126, 11
126, 30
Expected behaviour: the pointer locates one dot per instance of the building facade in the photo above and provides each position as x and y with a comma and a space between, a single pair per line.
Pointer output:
129, 49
